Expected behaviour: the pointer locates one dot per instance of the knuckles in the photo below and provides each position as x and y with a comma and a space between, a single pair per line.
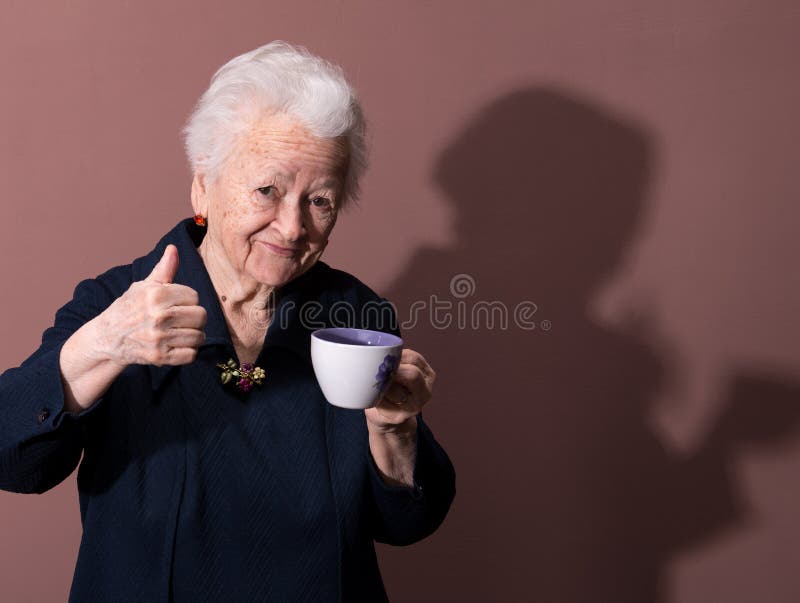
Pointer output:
152, 356
153, 336
161, 317
153, 295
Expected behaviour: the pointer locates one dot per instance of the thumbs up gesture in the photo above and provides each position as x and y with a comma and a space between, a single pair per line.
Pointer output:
156, 321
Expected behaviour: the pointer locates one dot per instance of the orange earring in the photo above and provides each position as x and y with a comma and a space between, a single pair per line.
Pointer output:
199, 220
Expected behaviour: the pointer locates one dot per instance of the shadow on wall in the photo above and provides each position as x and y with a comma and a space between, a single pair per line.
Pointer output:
565, 494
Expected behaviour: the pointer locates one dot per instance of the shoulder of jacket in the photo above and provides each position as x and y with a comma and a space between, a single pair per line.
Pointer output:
338, 284
109, 285
106, 286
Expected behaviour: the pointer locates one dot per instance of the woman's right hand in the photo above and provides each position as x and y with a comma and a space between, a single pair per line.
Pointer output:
155, 321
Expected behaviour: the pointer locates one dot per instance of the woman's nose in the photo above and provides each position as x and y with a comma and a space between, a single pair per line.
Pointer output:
290, 220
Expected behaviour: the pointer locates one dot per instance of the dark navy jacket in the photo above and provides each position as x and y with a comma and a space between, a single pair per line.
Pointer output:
136, 442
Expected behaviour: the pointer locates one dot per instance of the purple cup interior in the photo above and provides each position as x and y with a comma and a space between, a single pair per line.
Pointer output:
357, 337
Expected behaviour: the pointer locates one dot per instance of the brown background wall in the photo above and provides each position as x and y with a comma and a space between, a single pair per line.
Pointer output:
630, 167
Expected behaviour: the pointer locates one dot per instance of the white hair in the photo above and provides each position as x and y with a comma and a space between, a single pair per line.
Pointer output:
277, 77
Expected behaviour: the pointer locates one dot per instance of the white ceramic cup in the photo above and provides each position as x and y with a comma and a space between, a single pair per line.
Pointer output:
354, 366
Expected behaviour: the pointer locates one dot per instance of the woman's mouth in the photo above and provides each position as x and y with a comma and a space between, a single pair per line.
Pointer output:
278, 250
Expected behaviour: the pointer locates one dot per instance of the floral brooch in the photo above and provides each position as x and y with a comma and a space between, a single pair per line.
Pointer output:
246, 376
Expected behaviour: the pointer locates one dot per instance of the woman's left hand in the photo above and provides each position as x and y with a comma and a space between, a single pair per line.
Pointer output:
408, 392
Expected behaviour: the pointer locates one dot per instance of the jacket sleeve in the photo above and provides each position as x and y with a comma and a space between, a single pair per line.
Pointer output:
40, 442
404, 515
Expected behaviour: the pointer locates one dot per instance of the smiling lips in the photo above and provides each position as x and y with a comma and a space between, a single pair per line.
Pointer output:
283, 251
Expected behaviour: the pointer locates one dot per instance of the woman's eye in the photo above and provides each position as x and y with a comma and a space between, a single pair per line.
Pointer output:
321, 202
266, 190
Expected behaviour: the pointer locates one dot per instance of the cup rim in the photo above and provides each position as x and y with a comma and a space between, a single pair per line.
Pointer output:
398, 340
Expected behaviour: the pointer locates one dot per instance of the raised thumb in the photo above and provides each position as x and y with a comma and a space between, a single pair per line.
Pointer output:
167, 266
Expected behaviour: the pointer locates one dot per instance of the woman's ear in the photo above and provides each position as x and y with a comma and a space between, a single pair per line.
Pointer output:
199, 194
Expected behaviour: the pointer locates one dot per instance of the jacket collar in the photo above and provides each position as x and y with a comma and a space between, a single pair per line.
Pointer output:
285, 330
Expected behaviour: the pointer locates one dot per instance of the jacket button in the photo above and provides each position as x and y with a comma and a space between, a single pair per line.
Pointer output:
42, 416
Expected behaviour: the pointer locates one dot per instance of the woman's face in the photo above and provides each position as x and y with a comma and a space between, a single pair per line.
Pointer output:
274, 203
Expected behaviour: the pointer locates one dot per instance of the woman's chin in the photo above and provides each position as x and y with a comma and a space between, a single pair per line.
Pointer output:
277, 276
274, 270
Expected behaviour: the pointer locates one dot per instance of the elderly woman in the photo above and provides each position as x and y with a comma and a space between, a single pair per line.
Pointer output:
255, 489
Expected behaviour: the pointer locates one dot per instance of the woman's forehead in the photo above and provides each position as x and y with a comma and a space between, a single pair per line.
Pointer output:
283, 129
282, 141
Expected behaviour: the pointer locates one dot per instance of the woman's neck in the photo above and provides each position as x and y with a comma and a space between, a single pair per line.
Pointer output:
240, 296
